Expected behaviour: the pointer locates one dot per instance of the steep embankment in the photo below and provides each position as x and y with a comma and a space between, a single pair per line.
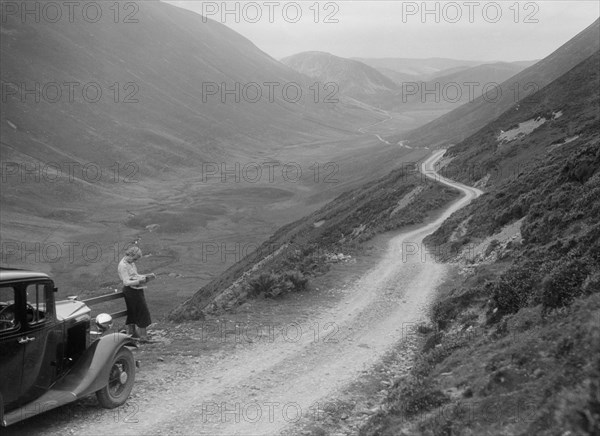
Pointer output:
514, 345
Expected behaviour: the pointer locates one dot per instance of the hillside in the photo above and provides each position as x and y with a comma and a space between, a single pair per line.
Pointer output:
514, 337
465, 120
167, 76
454, 87
486, 73
134, 163
354, 79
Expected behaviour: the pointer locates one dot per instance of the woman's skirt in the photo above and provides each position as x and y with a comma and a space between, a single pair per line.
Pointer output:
137, 309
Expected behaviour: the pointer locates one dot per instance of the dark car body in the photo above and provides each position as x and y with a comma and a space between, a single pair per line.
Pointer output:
49, 356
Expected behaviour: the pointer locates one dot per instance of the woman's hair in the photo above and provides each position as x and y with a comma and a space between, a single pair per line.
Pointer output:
133, 251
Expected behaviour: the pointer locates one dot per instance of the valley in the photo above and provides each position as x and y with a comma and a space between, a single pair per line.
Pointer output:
341, 245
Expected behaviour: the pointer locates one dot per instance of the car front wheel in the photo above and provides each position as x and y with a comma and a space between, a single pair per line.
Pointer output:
120, 380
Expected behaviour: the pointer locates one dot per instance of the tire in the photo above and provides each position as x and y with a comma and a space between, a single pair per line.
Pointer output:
120, 380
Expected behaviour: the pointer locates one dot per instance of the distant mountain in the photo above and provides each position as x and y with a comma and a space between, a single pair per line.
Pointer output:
423, 69
355, 79
476, 71
457, 87
486, 73
467, 119
397, 77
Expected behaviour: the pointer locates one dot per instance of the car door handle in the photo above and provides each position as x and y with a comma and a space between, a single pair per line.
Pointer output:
25, 340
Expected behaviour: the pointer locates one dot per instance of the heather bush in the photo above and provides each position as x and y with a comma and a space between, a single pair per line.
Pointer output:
513, 290
564, 284
272, 285
262, 284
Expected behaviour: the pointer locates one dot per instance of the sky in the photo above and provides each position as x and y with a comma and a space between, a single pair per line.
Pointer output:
504, 30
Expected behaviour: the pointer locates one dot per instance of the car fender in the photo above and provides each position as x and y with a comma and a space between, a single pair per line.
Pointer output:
90, 373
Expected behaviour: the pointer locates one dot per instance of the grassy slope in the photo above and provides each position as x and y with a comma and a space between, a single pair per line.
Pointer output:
515, 346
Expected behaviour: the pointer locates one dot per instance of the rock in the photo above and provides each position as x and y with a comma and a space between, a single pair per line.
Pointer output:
538, 373
344, 416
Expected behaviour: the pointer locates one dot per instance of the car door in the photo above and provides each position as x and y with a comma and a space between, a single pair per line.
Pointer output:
42, 340
11, 351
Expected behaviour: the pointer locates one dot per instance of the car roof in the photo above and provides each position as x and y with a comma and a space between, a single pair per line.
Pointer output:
9, 275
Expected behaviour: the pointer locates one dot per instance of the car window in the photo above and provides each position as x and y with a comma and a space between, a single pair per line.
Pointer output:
37, 296
7, 308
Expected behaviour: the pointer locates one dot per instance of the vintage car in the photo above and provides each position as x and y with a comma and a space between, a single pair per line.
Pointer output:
50, 355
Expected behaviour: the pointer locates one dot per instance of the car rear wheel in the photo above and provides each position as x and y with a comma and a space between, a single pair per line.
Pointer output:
120, 380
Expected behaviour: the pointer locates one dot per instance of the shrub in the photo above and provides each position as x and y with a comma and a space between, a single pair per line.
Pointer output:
443, 313
273, 285
513, 289
563, 285
295, 280
262, 284
419, 396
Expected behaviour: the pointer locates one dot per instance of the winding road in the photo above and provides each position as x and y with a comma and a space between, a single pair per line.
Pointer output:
271, 387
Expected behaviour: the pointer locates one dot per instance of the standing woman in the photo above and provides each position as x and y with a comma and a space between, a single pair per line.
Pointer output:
137, 309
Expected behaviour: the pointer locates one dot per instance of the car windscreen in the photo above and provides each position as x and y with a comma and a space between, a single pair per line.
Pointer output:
8, 319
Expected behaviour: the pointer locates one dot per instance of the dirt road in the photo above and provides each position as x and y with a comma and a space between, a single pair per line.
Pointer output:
274, 383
